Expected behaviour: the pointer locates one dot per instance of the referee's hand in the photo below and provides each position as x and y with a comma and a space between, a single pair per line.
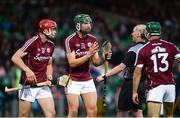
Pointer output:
100, 78
135, 98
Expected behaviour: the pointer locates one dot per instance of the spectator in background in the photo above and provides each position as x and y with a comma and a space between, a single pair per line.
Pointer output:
156, 57
34, 58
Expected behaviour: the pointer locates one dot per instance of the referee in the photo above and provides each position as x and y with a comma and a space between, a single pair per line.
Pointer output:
125, 103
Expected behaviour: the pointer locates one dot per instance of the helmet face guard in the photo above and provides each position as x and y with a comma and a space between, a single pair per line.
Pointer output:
153, 29
48, 27
81, 18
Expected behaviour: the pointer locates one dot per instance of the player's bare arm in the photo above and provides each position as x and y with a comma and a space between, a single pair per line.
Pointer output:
17, 59
49, 70
96, 60
75, 62
115, 70
136, 80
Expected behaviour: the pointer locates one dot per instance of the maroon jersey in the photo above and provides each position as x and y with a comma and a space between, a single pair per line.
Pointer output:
37, 57
157, 57
74, 43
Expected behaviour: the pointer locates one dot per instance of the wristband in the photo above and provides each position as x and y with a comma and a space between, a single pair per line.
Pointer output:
104, 76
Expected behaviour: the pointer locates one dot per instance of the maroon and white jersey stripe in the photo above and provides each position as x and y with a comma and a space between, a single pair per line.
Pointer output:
37, 57
80, 47
157, 57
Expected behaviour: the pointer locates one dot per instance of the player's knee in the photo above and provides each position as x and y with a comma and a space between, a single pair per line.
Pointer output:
168, 114
138, 113
73, 113
53, 112
23, 114
50, 113
92, 110
73, 110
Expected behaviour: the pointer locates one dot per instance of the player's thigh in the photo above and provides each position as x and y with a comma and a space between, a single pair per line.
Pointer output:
156, 94
45, 98
44, 102
170, 94
90, 100
168, 109
24, 107
74, 88
153, 109
73, 101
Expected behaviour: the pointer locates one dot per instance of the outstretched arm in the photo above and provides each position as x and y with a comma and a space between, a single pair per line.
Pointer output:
114, 71
127, 61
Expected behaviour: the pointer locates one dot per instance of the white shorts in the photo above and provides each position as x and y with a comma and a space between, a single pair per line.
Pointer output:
162, 93
31, 94
81, 87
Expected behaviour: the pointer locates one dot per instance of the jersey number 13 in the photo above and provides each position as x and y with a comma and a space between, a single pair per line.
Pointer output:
163, 61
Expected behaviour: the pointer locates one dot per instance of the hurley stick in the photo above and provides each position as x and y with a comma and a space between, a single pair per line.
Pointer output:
106, 49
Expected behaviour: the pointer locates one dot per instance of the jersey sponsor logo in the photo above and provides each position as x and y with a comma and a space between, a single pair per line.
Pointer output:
41, 58
80, 53
158, 49
39, 50
83, 46
156, 44
77, 45
48, 50
43, 50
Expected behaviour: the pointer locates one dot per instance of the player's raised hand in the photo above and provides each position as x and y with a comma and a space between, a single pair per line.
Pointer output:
100, 78
93, 49
31, 77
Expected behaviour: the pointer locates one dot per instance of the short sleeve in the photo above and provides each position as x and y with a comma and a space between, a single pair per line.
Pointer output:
139, 59
29, 45
69, 45
129, 59
176, 51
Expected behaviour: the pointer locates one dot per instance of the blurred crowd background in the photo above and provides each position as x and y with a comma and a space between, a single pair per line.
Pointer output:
112, 20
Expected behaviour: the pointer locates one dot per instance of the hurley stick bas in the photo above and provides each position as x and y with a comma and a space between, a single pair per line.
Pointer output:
106, 49
63, 80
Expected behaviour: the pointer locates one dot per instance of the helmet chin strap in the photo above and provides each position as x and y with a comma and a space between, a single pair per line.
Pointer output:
47, 33
78, 27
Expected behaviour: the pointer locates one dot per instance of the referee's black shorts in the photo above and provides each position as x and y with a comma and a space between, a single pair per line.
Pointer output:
125, 97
